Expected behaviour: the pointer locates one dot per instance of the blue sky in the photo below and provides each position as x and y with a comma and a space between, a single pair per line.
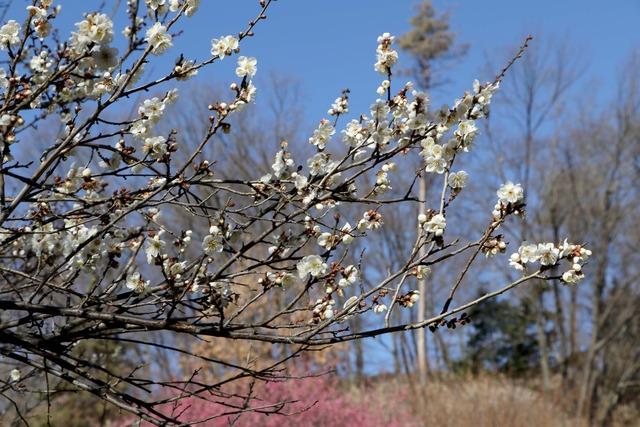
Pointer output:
329, 45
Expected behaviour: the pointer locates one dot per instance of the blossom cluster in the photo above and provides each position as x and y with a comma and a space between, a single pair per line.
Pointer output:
439, 152
340, 105
394, 125
386, 56
164, 6
224, 46
549, 255
434, 225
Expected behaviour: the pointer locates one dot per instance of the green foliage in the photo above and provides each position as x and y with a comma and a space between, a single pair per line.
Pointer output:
502, 339
430, 42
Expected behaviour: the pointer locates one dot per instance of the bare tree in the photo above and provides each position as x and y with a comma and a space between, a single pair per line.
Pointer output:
535, 95
431, 44
582, 182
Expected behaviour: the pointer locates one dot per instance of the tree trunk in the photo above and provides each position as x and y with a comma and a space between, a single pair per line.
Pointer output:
421, 341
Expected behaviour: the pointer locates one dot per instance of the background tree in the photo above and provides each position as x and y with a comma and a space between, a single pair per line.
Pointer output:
508, 347
536, 96
575, 326
431, 45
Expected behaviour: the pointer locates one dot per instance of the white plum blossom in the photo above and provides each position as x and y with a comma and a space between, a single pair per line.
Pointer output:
383, 87
281, 164
351, 276
247, 96
185, 70
152, 109
417, 120
136, 283
493, 246
155, 4
435, 156
413, 297
324, 309
192, 7
95, 29
9, 34
322, 134
371, 220
318, 164
44, 240
171, 96
484, 94
280, 278
466, 132
4, 82
213, 242
383, 183
158, 38
173, 268
572, 276
140, 129
15, 375
247, 67
436, 225
154, 247
347, 237
300, 181
462, 106
516, 262
313, 265
326, 240
510, 193
386, 56
353, 134
40, 63
222, 293
528, 253
176, 5
547, 253
5, 120
155, 147
224, 46
379, 308
39, 21
378, 128
458, 180
339, 106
